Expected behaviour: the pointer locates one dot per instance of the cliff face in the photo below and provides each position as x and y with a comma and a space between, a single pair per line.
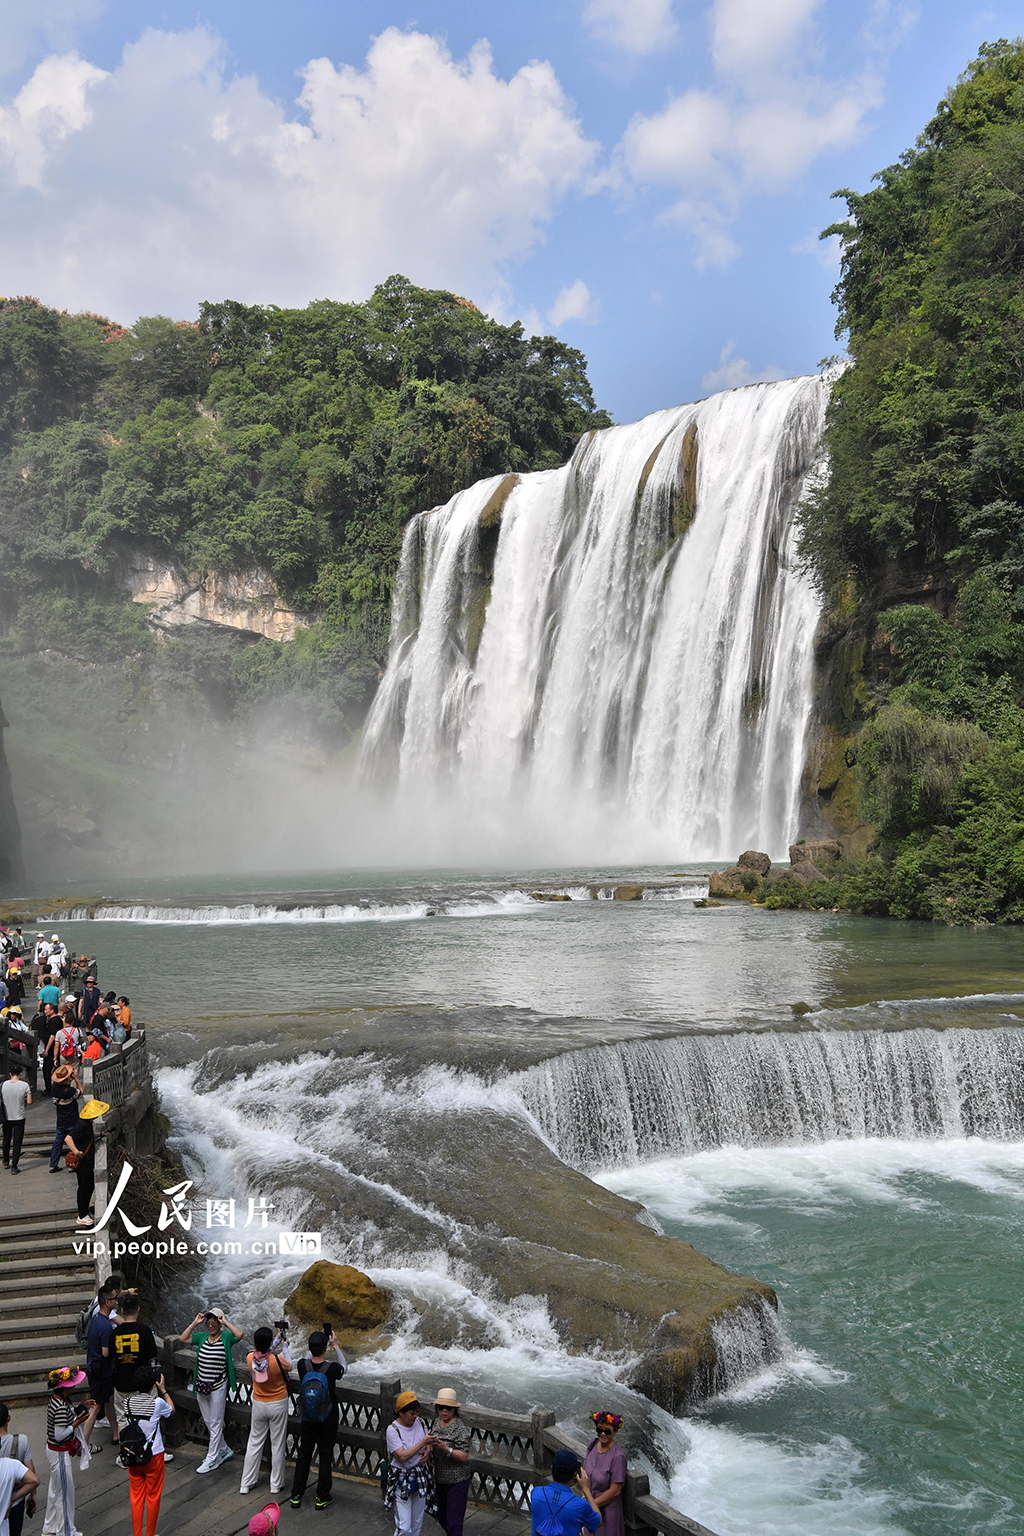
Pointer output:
11, 866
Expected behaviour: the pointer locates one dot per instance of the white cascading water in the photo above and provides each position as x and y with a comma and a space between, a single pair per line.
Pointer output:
640, 684
623, 1104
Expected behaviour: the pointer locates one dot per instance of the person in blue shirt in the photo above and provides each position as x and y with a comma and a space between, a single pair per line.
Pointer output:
554, 1508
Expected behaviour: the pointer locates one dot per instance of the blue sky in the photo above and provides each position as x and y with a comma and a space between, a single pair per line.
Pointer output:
644, 177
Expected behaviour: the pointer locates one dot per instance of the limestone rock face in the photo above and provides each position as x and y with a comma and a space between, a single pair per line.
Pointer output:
760, 863
820, 852
342, 1296
246, 600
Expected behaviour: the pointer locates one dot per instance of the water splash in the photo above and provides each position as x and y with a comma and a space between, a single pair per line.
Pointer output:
613, 660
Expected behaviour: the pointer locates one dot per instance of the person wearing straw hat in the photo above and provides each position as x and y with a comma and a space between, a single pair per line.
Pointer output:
80, 1154
62, 1445
449, 1437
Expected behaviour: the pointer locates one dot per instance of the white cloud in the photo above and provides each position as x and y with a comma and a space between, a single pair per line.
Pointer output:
46, 24
735, 371
53, 104
635, 26
768, 115
573, 303
749, 35
168, 180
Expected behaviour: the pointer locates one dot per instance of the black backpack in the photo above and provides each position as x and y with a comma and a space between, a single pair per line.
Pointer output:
136, 1450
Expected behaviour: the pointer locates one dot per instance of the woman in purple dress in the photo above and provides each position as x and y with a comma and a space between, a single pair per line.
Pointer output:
606, 1468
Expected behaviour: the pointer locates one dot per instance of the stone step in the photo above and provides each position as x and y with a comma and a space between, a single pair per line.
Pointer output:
58, 1210
39, 1231
59, 1301
30, 1272
54, 1244
38, 1339
35, 1370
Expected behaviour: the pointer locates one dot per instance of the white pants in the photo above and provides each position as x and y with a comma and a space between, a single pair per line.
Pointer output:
211, 1406
267, 1419
60, 1495
409, 1515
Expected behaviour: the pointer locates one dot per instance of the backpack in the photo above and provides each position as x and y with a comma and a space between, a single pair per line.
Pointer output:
550, 1524
136, 1450
316, 1396
68, 1043
261, 1369
85, 1317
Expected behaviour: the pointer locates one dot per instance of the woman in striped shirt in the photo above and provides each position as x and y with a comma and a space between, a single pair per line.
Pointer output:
62, 1444
214, 1373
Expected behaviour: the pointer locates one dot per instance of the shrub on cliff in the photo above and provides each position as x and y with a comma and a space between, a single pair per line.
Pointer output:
298, 439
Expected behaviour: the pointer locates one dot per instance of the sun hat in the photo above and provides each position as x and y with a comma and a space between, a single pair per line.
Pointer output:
64, 1378
405, 1400
265, 1523
565, 1461
92, 1109
446, 1398
60, 1074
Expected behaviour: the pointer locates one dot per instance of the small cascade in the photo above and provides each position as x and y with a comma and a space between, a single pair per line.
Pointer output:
623, 1104
612, 660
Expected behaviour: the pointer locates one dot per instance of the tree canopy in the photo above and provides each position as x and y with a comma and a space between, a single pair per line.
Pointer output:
300, 440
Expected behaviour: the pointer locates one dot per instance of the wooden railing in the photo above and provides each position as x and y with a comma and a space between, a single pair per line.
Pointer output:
510, 1452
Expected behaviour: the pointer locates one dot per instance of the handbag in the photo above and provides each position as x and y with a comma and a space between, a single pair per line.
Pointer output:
72, 1158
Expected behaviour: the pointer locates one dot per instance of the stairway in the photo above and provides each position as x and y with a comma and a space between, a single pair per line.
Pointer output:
44, 1284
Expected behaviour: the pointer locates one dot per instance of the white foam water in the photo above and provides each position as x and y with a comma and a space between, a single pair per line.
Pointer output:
648, 1097
634, 678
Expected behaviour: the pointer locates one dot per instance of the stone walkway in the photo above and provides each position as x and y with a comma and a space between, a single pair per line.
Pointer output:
43, 1283
212, 1505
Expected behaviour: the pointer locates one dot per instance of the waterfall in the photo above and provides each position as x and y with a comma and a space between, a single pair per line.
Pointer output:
612, 660
623, 1104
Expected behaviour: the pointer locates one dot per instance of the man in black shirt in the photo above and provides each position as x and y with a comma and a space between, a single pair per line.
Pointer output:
45, 1025
132, 1345
321, 1433
89, 1001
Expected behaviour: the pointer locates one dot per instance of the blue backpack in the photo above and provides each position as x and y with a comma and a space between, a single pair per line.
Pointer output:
316, 1396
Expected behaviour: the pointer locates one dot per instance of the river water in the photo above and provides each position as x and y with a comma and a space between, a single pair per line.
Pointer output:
866, 1159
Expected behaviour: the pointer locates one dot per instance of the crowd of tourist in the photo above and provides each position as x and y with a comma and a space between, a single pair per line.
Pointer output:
73, 1023
426, 1472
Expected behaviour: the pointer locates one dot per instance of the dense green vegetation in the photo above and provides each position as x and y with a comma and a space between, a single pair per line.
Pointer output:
296, 440
917, 540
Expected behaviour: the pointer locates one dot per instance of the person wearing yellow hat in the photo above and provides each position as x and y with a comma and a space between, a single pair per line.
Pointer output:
449, 1437
80, 1154
410, 1486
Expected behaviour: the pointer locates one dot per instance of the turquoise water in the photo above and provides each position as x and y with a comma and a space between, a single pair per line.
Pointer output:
893, 1406
898, 1266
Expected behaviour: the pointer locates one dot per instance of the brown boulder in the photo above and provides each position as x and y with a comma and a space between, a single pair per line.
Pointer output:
726, 882
818, 851
760, 863
342, 1296
549, 896
629, 893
